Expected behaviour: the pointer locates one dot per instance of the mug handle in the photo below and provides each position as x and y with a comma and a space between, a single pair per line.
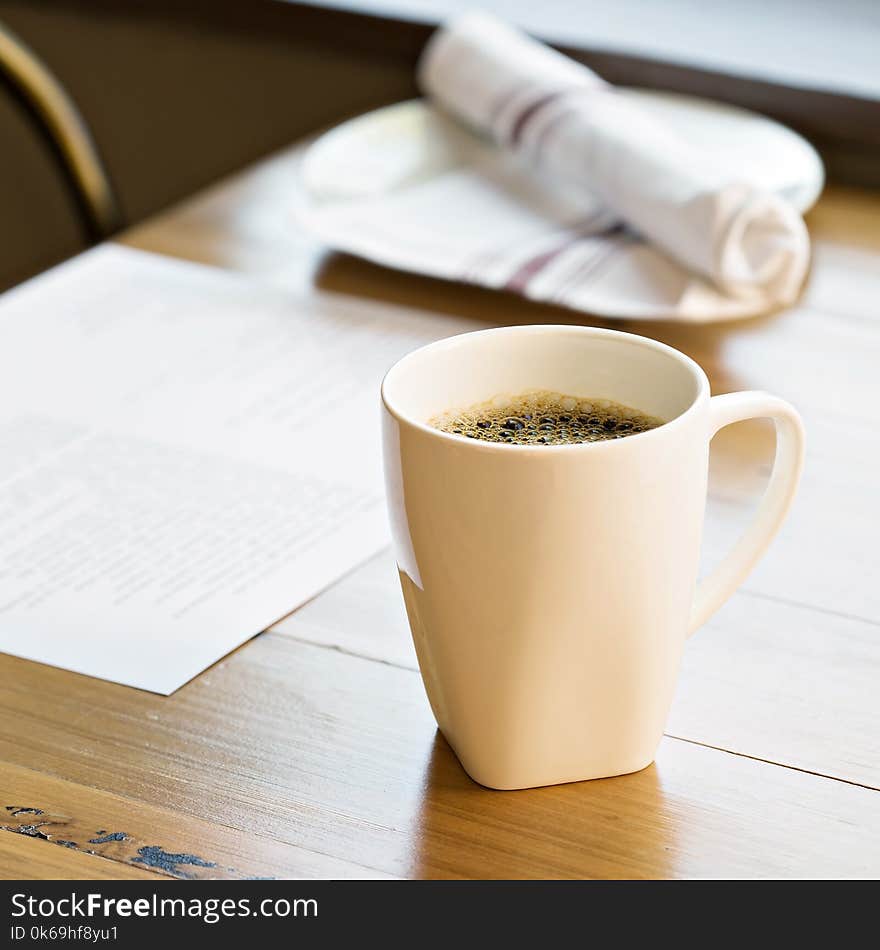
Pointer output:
714, 590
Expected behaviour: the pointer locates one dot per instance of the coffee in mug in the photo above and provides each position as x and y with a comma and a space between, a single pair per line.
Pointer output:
545, 418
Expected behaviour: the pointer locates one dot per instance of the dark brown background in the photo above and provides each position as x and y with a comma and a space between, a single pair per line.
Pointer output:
175, 100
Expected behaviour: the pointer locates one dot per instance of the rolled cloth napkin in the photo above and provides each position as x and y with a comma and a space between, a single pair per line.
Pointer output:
563, 118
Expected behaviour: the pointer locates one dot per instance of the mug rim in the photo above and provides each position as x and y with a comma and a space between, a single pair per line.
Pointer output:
634, 339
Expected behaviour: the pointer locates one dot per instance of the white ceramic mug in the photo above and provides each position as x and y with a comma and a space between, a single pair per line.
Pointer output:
550, 589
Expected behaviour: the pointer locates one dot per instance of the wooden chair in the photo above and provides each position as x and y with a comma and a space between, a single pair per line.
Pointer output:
56, 117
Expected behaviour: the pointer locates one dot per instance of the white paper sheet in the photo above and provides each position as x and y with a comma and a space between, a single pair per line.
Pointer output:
185, 457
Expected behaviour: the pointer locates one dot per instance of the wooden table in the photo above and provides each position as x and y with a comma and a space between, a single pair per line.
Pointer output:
311, 751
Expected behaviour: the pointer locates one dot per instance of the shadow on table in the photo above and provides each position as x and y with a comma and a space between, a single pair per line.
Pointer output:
617, 827
345, 274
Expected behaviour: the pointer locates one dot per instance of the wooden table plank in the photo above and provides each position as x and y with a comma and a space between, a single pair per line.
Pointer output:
690, 815
338, 755
94, 822
37, 860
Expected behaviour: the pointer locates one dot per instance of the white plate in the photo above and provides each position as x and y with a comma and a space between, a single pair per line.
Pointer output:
399, 143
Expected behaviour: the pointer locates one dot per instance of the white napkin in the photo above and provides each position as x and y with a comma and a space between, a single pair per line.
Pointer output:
582, 198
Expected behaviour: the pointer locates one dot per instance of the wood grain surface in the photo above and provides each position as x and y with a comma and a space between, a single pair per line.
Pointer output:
338, 756
21, 856
311, 751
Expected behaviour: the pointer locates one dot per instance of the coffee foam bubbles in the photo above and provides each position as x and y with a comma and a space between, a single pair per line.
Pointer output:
542, 417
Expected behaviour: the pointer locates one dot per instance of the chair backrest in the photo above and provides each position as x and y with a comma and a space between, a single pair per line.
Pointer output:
56, 116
